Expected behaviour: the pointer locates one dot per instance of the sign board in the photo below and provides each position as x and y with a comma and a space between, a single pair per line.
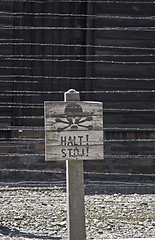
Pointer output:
73, 130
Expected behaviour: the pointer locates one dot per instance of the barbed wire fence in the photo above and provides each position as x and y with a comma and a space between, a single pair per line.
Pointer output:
22, 22
23, 84
105, 50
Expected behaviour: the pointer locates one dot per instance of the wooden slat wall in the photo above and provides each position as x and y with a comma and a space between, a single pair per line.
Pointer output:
120, 56
104, 49
63, 71
54, 72
5, 66
125, 60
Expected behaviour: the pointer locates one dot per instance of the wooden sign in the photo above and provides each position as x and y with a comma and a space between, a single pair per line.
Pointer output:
73, 130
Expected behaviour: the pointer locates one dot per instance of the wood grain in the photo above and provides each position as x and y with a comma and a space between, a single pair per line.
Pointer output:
80, 140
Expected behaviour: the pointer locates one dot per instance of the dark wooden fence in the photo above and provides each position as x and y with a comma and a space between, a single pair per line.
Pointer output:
105, 50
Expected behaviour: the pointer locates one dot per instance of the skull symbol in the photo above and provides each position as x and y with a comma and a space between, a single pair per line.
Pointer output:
74, 118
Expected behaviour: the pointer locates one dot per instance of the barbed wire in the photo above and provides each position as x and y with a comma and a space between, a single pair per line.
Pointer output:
122, 156
127, 110
7, 67
79, 46
42, 107
85, 172
129, 140
80, 60
20, 140
13, 146
19, 143
129, 156
128, 129
22, 107
21, 128
37, 56
119, 173
77, 78
63, 172
126, 28
33, 170
22, 104
106, 62
85, 1
70, 15
40, 128
30, 92
22, 117
11, 39
17, 81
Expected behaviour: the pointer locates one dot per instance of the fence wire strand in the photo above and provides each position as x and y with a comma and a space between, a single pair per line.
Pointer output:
75, 78
115, 156
84, 1
80, 60
79, 46
72, 15
32, 51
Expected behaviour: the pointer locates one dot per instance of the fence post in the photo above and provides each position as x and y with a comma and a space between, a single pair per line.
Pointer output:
75, 189
74, 132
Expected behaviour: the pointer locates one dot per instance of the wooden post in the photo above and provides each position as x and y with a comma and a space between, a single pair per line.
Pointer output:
74, 132
75, 190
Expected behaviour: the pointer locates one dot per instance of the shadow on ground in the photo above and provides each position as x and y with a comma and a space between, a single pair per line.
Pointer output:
5, 231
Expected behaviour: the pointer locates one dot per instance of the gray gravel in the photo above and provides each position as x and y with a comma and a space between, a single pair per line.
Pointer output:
40, 213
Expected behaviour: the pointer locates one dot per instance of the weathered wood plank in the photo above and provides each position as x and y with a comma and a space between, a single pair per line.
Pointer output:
129, 118
121, 69
73, 131
56, 153
55, 123
130, 8
78, 138
121, 84
79, 109
130, 105
123, 96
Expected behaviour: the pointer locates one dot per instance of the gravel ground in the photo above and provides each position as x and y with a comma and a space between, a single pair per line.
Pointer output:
39, 212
